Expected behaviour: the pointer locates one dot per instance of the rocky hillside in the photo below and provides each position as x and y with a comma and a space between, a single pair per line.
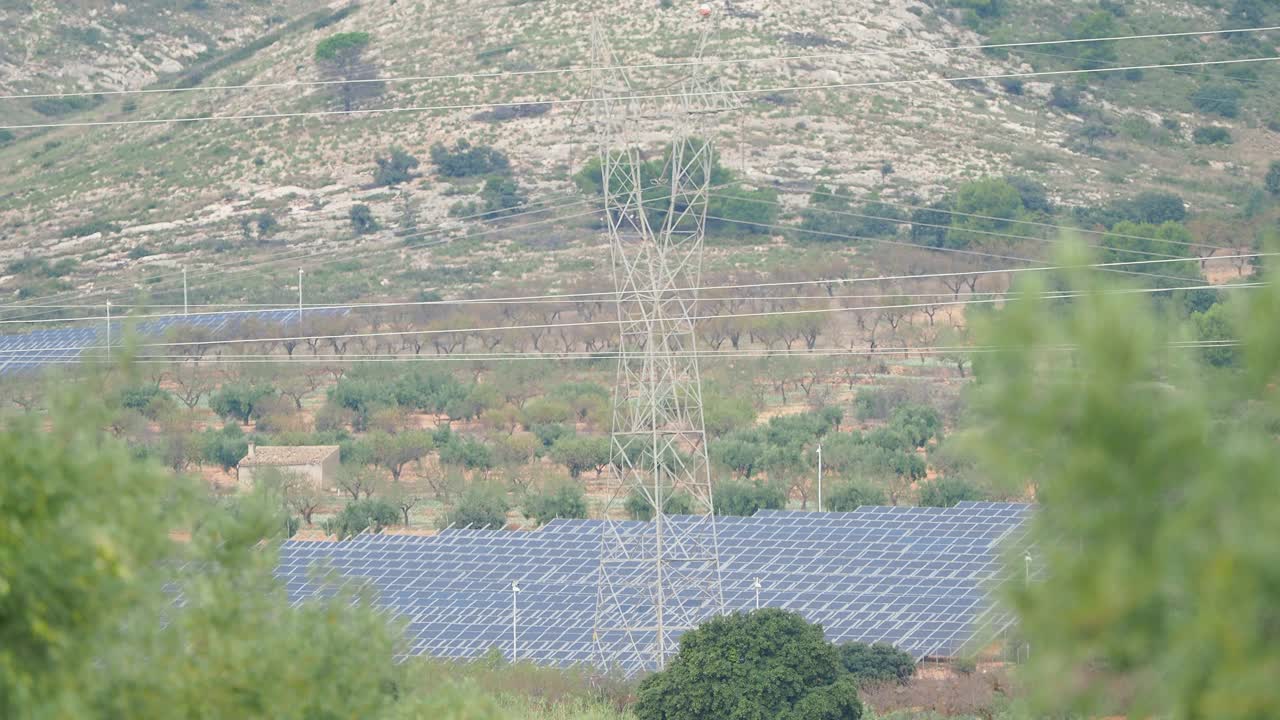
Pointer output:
120, 199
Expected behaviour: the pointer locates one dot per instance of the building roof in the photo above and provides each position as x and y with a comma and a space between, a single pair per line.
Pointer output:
288, 455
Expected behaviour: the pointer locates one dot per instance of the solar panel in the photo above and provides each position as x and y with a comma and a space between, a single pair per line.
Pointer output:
42, 348
918, 578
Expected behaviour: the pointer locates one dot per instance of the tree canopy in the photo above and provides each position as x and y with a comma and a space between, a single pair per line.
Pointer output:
758, 666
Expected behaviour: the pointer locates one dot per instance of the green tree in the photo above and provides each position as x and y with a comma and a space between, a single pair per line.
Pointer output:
947, 491
982, 206
749, 667
1215, 328
880, 662
466, 453
394, 169
1090, 55
739, 210
1272, 179
639, 507
562, 500
362, 219
363, 516
1217, 99
481, 507
395, 451
85, 558
1156, 492
580, 453
849, 496
464, 160
342, 62
226, 447
239, 401
745, 498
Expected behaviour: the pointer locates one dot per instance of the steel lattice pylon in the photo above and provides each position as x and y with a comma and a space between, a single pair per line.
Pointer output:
663, 578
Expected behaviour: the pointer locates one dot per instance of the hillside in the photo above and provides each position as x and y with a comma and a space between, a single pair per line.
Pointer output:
127, 199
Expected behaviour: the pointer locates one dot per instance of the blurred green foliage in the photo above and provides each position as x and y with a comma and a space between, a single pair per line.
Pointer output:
1156, 475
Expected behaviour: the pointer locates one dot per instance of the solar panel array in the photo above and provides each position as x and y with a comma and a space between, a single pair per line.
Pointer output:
29, 351
917, 578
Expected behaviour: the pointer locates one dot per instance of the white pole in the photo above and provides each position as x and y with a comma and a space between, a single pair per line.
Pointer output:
184, 291
299, 296
819, 478
108, 331
757, 586
515, 590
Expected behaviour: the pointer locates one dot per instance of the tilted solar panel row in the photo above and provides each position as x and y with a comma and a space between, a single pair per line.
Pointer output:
919, 578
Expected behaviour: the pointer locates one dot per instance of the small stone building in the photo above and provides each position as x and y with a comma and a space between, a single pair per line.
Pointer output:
317, 463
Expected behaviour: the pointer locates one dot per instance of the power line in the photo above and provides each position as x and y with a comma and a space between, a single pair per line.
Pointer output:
290, 84
597, 323
657, 96
575, 357
606, 295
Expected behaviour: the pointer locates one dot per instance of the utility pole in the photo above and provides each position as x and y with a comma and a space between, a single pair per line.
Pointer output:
757, 585
299, 296
515, 590
108, 332
184, 290
819, 478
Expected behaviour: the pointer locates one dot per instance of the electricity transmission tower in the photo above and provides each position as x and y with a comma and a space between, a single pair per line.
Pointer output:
663, 578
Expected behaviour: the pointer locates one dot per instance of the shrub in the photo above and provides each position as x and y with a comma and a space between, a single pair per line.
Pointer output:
745, 498
639, 507
579, 454
847, 497
6, 137
465, 160
331, 48
767, 664
394, 169
565, 500
1272, 180
1064, 98
947, 492
362, 219
880, 662
1211, 135
1217, 99
363, 516
482, 508
57, 106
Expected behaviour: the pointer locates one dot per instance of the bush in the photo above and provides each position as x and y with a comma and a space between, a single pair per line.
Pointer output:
1217, 99
362, 516
481, 508
57, 106
466, 453
766, 664
1211, 135
579, 454
880, 662
464, 160
239, 401
1272, 180
847, 497
332, 47
6, 137
639, 507
224, 448
739, 210
394, 169
565, 500
1064, 98
744, 498
947, 492
362, 220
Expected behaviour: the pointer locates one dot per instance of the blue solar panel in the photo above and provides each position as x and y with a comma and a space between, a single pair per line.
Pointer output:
915, 577
42, 348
